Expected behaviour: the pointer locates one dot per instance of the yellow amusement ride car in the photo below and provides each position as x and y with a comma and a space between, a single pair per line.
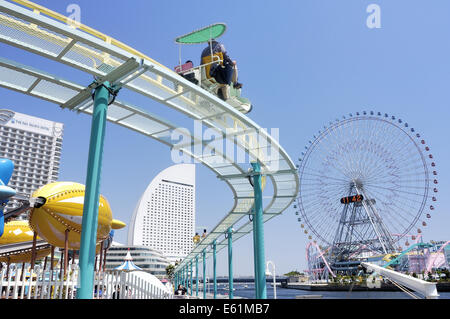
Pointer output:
203, 74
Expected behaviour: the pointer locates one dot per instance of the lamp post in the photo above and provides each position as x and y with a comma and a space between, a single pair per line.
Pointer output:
268, 273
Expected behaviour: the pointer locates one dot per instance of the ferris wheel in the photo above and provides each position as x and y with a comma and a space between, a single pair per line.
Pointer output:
367, 182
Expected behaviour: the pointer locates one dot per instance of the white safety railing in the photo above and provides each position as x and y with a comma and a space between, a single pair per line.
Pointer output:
51, 284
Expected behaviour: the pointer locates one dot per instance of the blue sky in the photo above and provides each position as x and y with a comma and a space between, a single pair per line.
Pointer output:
303, 64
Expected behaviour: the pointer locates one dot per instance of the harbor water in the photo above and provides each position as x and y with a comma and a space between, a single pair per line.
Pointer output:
247, 291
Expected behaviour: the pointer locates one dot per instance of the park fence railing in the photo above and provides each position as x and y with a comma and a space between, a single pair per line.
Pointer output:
54, 284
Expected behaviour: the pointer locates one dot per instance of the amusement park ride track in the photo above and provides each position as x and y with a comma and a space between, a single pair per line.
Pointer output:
48, 34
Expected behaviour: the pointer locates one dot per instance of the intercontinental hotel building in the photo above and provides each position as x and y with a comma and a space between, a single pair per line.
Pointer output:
164, 218
34, 145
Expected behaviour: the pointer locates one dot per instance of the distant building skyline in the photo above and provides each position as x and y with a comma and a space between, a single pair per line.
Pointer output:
164, 218
34, 145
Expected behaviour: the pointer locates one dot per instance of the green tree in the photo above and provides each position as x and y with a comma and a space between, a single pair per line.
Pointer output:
293, 273
170, 271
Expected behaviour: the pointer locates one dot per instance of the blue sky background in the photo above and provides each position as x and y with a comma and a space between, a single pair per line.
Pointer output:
303, 64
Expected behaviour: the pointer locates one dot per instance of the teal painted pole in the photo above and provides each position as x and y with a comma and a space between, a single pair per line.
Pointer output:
196, 276
258, 229
215, 269
192, 283
255, 254
176, 281
204, 274
230, 263
89, 222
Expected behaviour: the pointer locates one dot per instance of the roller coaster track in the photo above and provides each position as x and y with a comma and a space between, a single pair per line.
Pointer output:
33, 28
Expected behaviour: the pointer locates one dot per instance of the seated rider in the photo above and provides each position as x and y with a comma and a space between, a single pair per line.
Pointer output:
223, 74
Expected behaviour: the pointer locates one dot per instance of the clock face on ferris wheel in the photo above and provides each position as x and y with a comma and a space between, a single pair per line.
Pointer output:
382, 154
352, 199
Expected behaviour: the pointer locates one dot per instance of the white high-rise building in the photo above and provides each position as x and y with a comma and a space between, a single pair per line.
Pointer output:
164, 218
34, 145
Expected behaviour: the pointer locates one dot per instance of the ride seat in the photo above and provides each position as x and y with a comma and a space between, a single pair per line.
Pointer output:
188, 72
207, 79
184, 67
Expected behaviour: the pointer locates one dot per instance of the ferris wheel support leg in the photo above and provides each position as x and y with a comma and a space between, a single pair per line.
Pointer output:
91, 200
258, 229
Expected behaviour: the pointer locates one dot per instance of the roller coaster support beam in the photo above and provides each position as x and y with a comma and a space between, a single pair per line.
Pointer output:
258, 229
215, 268
192, 278
230, 262
175, 283
90, 209
204, 274
196, 276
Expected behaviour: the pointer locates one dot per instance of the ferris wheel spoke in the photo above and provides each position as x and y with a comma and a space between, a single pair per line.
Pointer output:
400, 212
328, 150
326, 177
397, 190
385, 211
383, 167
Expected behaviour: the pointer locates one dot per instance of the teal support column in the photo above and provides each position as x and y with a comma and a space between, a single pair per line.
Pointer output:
215, 269
186, 277
258, 229
92, 193
182, 277
230, 263
255, 253
204, 274
192, 283
176, 281
196, 276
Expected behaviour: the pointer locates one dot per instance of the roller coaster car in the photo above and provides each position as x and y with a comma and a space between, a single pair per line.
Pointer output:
200, 75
